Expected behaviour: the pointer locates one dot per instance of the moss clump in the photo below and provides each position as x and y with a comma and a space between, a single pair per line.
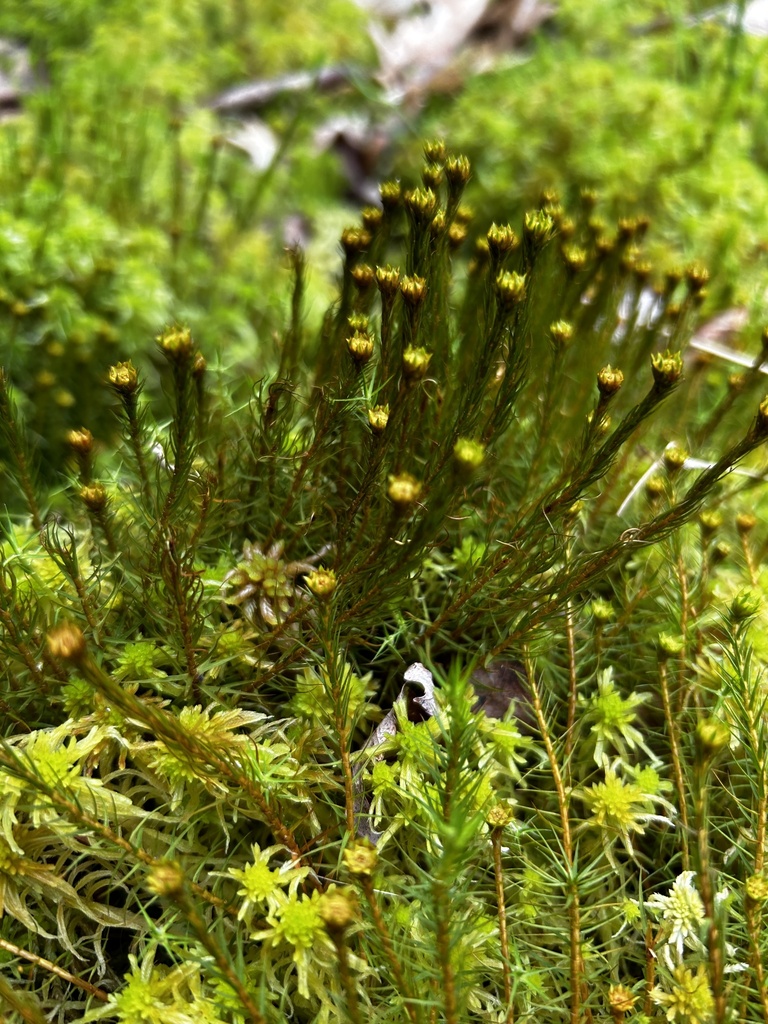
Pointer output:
194, 626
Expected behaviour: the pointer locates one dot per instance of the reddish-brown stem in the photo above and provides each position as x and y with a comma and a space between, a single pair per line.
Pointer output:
498, 871
386, 942
677, 767
574, 913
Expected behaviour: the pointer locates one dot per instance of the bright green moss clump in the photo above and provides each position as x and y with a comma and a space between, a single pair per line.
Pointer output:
221, 742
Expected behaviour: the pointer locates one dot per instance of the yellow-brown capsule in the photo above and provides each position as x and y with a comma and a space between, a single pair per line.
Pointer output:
603, 612
756, 888
322, 583
124, 378
388, 280
371, 217
422, 204
761, 421
575, 258
745, 523
655, 487
415, 363
745, 605
561, 333
437, 227
468, 455
667, 369
360, 858
589, 197
360, 347
712, 736
414, 290
609, 381
354, 240
710, 521
391, 194
510, 289
378, 417
177, 345
465, 214
359, 322
626, 228
363, 275
64, 398
432, 175
166, 879
94, 497
199, 366
538, 227
434, 151
669, 646
697, 276
457, 171
403, 491
620, 999
720, 552
67, 642
672, 278
549, 197
501, 240
674, 458
457, 235
604, 246
338, 911
500, 815
80, 441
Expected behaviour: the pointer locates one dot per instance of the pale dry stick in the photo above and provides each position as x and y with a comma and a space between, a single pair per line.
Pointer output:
567, 837
46, 965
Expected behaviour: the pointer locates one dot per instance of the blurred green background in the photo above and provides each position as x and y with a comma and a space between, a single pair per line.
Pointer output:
124, 204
